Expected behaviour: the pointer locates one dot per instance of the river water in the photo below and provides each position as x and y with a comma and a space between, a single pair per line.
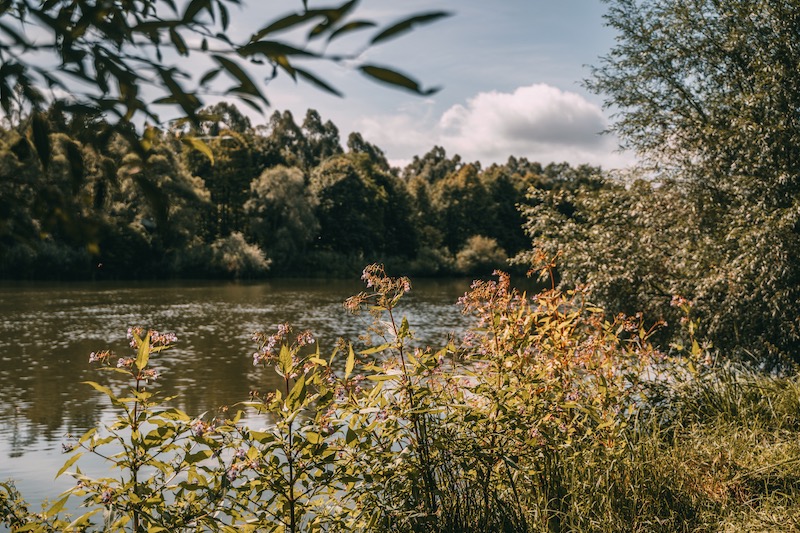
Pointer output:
48, 330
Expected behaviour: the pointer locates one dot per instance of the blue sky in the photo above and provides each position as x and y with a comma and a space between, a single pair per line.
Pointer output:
510, 73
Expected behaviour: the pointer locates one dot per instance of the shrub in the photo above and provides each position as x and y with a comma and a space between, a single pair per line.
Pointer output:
480, 256
235, 257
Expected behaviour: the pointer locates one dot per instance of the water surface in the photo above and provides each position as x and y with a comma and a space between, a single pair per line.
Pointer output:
48, 330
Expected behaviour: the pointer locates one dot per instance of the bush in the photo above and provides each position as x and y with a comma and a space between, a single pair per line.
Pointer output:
235, 257
480, 256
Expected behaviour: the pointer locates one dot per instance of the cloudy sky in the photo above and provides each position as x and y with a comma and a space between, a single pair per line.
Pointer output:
510, 74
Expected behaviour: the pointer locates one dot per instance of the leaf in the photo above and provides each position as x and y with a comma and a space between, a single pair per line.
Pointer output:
320, 84
198, 144
287, 22
351, 363
374, 349
297, 394
272, 50
350, 27
392, 77
314, 438
71, 461
57, 507
406, 25
246, 84
143, 356
381, 377
194, 7
41, 138
101, 388
178, 42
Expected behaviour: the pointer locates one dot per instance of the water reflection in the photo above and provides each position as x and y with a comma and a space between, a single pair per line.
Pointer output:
47, 332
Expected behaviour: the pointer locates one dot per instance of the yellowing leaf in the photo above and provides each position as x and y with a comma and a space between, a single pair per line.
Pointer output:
197, 144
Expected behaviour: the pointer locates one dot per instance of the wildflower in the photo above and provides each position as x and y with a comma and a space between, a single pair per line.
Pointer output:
106, 496
233, 472
200, 428
305, 338
125, 362
100, 357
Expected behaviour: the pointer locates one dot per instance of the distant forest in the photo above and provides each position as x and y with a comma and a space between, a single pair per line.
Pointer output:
280, 199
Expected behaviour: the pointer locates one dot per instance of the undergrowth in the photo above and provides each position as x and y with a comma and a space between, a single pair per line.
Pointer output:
547, 416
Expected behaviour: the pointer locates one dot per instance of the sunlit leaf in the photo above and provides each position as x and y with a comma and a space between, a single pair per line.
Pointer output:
143, 355
71, 461
57, 507
351, 362
198, 144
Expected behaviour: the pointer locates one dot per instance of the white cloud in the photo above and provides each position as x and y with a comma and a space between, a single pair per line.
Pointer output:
540, 122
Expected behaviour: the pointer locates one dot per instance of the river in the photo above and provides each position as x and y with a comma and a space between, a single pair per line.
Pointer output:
48, 330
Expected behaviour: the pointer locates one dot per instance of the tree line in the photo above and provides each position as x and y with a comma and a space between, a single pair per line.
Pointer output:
281, 198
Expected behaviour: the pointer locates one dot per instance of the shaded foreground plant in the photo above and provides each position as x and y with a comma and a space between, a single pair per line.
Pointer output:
547, 416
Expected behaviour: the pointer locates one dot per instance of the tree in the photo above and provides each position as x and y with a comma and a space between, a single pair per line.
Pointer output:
281, 209
322, 139
709, 88
708, 92
363, 211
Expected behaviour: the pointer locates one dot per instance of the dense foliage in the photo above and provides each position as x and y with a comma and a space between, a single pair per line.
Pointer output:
125, 59
544, 417
281, 197
707, 93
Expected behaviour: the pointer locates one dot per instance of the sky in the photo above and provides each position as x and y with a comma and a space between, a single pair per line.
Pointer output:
510, 74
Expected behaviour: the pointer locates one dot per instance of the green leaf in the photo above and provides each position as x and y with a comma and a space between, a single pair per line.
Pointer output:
103, 389
198, 144
272, 50
375, 349
297, 394
287, 22
143, 356
350, 364
382, 377
71, 461
407, 24
392, 77
194, 7
57, 507
246, 85
313, 437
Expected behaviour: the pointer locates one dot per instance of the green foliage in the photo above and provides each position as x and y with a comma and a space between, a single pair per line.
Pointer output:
546, 417
282, 214
705, 93
234, 257
116, 50
479, 256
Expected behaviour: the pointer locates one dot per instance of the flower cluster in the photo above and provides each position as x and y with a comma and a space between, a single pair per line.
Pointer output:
156, 338
100, 357
386, 290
